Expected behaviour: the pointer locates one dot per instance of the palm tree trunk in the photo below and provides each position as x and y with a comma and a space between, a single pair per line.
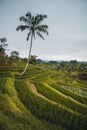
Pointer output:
29, 56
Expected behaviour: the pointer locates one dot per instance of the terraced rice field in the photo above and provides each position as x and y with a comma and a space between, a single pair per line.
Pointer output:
41, 99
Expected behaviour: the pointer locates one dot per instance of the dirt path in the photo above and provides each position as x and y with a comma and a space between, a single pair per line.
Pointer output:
34, 90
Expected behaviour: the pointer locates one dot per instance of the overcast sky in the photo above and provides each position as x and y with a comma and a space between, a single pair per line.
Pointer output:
67, 21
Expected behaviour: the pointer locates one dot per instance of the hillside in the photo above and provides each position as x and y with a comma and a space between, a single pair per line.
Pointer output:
42, 99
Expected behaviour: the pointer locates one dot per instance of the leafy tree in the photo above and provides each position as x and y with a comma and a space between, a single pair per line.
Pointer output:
3, 47
34, 27
73, 61
39, 61
82, 71
53, 62
33, 59
14, 55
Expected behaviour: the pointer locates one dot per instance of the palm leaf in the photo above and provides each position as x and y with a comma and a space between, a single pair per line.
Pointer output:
29, 17
24, 19
28, 35
42, 28
40, 35
39, 18
22, 27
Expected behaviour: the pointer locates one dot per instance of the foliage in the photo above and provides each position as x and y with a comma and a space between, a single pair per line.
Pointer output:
34, 27
64, 106
53, 113
13, 114
3, 47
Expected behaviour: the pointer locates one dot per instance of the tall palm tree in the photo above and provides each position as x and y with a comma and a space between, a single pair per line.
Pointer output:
34, 27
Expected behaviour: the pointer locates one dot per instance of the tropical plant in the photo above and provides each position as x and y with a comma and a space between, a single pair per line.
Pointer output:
33, 25
14, 55
33, 59
3, 47
14, 58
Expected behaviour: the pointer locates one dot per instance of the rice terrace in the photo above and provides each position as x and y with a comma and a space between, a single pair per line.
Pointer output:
46, 90
43, 98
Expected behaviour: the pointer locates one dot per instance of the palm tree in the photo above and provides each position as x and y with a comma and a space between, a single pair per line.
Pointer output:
34, 27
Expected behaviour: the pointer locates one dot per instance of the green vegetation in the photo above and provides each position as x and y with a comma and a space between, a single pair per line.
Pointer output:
34, 27
43, 98
50, 95
13, 113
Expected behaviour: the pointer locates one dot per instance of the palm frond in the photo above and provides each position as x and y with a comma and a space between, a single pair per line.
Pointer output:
28, 35
44, 31
24, 19
42, 28
22, 27
28, 14
40, 35
40, 18
29, 17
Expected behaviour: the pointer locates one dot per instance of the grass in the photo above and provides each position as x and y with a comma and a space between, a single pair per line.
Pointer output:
14, 115
59, 97
47, 111
67, 92
22, 109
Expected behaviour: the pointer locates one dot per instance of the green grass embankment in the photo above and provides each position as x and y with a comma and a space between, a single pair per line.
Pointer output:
13, 114
54, 114
59, 97
67, 92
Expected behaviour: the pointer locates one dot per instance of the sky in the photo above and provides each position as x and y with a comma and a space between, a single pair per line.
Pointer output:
67, 22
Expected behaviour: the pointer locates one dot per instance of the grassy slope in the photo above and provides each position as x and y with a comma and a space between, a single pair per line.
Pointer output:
21, 109
13, 114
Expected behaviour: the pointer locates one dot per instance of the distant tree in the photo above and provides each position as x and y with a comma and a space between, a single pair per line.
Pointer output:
58, 67
33, 25
64, 65
82, 71
24, 59
15, 55
53, 62
39, 61
33, 59
3, 47
74, 61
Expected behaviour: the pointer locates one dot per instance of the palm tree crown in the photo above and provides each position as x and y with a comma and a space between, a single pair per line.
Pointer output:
33, 25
